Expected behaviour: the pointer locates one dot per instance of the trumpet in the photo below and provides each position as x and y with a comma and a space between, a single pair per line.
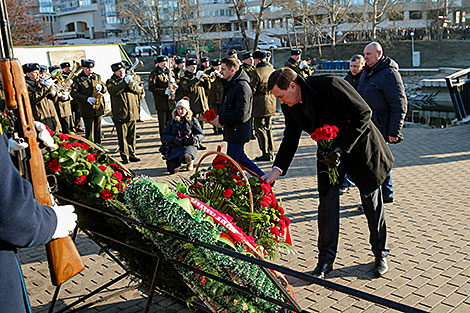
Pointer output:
136, 64
172, 86
48, 81
76, 69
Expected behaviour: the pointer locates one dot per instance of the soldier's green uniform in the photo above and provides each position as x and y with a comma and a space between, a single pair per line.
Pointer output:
215, 94
158, 84
195, 90
264, 108
82, 88
64, 109
42, 100
125, 99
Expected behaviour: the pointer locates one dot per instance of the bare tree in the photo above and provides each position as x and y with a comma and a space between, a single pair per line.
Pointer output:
380, 10
438, 15
335, 12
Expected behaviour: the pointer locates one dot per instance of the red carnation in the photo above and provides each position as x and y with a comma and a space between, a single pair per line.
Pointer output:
85, 146
91, 157
106, 194
63, 137
266, 188
81, 180
264, 204
228, 193
281, 210
219, 166
121, 186
196, 186
118, 175
54, 165
102, 167
114, 165
240, 183
274, 230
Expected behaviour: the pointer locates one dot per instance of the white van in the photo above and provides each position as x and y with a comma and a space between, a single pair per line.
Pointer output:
263, 45
144, 51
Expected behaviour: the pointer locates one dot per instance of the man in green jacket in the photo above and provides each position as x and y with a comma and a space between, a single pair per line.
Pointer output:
264, 105
216, 92
88, 90
299, 66
159, 82
125, 94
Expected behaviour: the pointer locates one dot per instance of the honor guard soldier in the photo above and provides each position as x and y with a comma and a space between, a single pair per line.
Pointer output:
194, 85
216, 91
42, 97
159, 83
88, 90
299, 66
137, 78
247, 62
125, 94
205, 64
264, 105
180, 67
77, 124
62, 105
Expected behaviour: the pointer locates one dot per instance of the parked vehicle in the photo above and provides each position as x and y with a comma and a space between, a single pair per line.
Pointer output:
144, 51
263, 45
235, 43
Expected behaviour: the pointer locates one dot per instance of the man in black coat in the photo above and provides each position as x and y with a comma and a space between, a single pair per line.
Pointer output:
358, 149
235, 113
382, 88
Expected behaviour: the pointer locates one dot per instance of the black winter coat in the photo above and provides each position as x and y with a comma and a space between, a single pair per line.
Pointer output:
333, 101
353, 79
382, 88
23, 223
178, 133
235, 113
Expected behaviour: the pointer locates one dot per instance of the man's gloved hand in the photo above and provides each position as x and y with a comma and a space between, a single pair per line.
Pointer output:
193, 141
302, 64
172, 80
199, 74
16, 145
66, 220
128, 79
65, 95
91, 100
45, 136
167, 92
48, 82
53, 92
332, 157
99, 88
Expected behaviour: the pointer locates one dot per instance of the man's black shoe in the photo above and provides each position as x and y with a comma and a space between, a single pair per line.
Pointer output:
388, 199
125, 161
134, 159
380, 266
322, 269
201, 147
263, 158
137, 136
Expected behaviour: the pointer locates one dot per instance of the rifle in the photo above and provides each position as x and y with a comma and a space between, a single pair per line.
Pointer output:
62, 255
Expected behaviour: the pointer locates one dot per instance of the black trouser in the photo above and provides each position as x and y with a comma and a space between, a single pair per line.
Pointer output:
67, 124
328, 224
263, 132
174, 163
126, 138
163, 118
93, 128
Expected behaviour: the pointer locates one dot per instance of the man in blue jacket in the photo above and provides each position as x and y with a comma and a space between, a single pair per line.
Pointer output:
381, 86
23, 223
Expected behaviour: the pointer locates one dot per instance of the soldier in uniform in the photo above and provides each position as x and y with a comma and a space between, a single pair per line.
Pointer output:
62, 105
216, 91
194, 85
88, 90
264, 105
159, 82
295, 63
125, 94
205, 64
247, 62
76, 117
180, 67
42, 97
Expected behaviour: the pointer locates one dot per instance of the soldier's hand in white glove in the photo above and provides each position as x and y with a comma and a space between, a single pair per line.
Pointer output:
168, 92
66, 220
65, 95
45, 136
199, 74
91, 100
53, 92
15, 146
48, 82
128, 79
99, 88
302, 64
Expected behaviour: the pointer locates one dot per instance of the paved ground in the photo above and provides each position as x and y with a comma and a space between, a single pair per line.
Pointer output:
428, 231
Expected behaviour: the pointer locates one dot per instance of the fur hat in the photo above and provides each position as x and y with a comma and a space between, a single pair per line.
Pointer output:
232, 52
161, 58
53, 68
64, 64
216, 62
88, 63
295, 52
179, 60
30, 67
117, 66
247, 55
184, 102
191, 62
258, 54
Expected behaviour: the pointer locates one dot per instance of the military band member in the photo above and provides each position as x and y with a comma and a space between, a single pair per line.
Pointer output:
247, 62
299, 66
88, 90
216, 91
159, 82
264, 105
62, 105
205, 64
42, 97
180, 67
125, 94
77, 122
137, 78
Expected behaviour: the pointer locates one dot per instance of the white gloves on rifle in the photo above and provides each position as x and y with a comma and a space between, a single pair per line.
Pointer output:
302, 64
199, 74
128, 79
45, 136
66, 220
15, 146
168, 92
99, 88
91, 100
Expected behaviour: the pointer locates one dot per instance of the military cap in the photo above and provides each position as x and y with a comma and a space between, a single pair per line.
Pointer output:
88, 63
258, 54
179, 60
295, 52
216, 62
232, 52
161, 58
247, 55
43, 69
64, 64
30, 67
126, 63
117, 66
205, 59
268, 54
53, 68
191, 62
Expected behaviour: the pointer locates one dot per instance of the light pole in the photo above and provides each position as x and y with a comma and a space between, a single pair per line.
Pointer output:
412, 47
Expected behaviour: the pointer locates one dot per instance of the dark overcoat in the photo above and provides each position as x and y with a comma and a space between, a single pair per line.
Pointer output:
23, 223
235, 113
42, 104
158, 84
125, 99
181, 127
333, 101
82, 89
264, 102
195, 90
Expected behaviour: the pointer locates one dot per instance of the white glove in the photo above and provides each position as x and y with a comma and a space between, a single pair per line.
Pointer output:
53, 92
45, 136
48, 82
127, 79
172, 79
99, 88
91, 100
168, 92
66, 220
199, 74
16, 146
303, 64
65, 95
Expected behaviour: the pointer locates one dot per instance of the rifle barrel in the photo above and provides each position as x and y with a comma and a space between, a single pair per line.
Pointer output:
6, 43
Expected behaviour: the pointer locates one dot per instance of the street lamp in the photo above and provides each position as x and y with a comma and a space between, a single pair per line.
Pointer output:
412, 44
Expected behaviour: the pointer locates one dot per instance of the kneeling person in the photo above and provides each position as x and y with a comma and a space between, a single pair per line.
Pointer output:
183, 133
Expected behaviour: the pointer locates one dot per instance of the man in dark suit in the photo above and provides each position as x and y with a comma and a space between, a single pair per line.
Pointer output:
359, 149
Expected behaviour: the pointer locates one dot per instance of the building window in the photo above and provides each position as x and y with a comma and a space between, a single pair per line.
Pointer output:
416, 15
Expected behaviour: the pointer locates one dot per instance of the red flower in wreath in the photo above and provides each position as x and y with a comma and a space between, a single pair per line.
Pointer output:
118, 175
266, 188
91, 157
228, 193
106, 194
63, 137
81, 180
219, 166
54, 165
274, 230
102, 168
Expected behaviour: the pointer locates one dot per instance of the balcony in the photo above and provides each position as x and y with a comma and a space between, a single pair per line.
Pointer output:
76, 10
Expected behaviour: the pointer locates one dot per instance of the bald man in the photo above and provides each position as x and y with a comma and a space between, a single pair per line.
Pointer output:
381, 86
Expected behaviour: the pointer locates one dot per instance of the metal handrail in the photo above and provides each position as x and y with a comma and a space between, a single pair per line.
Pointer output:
455, 92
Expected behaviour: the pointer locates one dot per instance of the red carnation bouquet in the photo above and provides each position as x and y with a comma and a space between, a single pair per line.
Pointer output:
209, 115
324, 137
